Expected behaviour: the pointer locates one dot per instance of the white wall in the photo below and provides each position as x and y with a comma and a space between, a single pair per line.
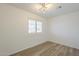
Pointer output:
64, 29
13, 30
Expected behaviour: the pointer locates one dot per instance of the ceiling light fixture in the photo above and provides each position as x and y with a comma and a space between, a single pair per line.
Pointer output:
46, 6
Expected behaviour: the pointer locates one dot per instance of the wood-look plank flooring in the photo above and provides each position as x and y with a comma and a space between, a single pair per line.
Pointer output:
49, 49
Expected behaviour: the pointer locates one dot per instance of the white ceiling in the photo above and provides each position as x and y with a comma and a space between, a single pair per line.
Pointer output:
66, 8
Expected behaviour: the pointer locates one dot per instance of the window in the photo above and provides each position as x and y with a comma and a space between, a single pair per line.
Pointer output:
39, 26
31, 26
34, 26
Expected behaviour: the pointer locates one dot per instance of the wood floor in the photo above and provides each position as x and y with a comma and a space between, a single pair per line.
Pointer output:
49, 49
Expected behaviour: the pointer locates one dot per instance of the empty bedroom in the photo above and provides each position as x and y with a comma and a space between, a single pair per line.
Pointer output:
39, 29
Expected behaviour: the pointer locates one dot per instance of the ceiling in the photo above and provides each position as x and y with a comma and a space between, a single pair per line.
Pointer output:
66, 8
